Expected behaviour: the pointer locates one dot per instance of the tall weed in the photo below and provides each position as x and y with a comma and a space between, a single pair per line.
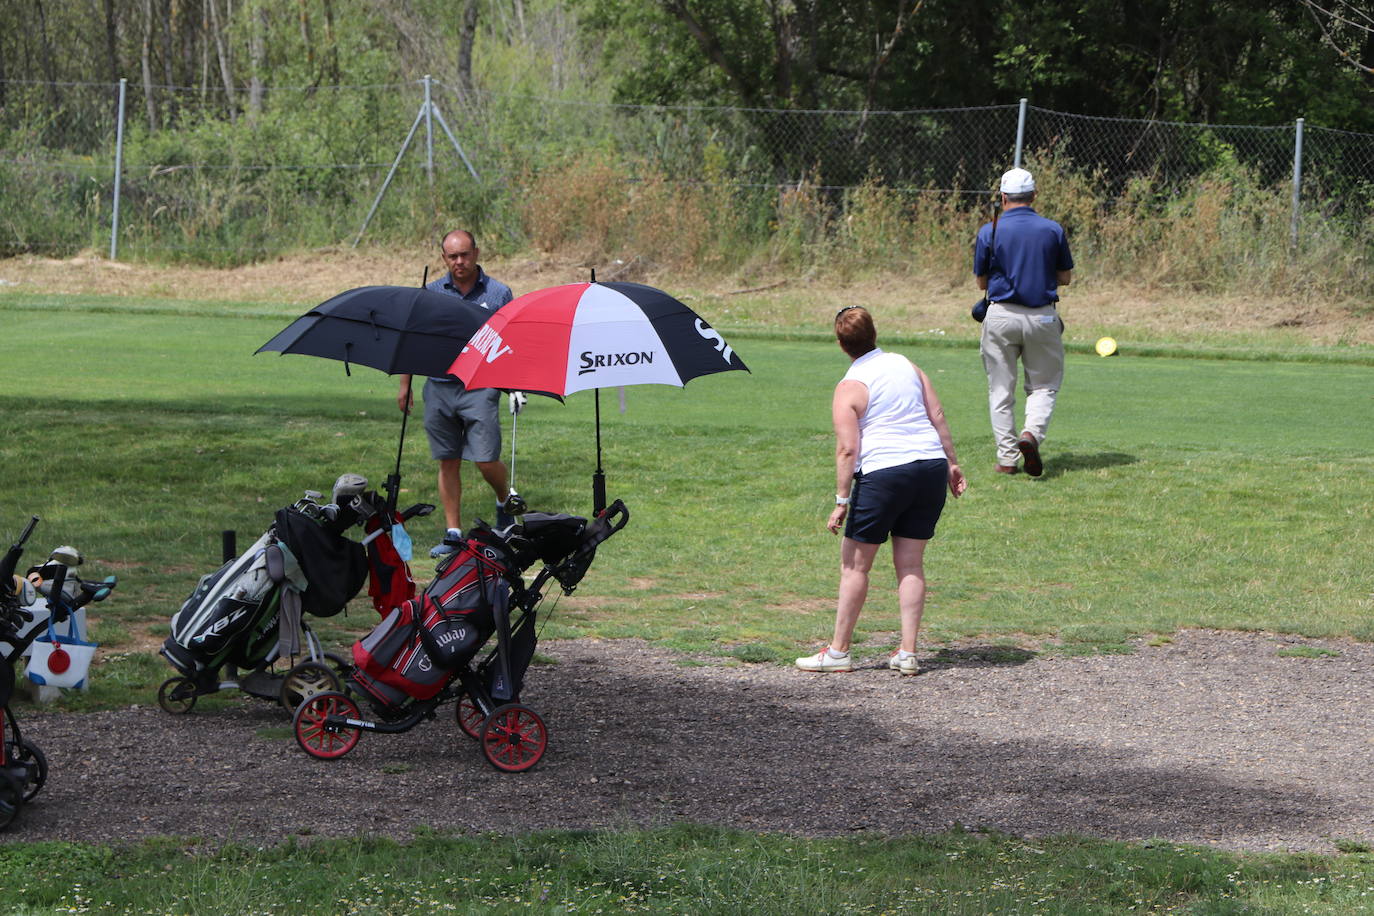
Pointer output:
1222, 231
575, 206
803, 226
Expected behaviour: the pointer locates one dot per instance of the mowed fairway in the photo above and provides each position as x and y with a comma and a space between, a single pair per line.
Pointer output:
1178, 492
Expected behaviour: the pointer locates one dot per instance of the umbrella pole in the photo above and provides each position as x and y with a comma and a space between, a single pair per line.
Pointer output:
393, 480
599, 477
514, 426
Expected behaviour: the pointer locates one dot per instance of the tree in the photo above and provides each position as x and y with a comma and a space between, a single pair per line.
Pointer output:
1243, 61
257, 54
787, 54
465, 42
146, 64
1347, 30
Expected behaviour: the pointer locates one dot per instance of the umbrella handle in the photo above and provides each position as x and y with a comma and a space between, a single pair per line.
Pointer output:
393, 480
514, 423
598, 491
599, 476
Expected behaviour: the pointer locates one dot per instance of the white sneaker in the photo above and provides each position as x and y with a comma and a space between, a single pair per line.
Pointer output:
824, 661
907, 665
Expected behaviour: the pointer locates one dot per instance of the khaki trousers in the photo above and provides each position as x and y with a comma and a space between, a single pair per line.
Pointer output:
1035, 337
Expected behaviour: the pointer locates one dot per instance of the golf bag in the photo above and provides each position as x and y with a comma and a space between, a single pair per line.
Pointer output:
252, 605
231, 616
414, 651
425, 652
417, 650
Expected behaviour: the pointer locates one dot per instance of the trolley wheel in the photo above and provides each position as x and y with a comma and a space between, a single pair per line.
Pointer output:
30, 756
316, 736
342, 667
514, 738
470, 716
177, 695
11, 800
306, 680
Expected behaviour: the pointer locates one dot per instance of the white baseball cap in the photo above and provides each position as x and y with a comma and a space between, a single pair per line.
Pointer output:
1017, 181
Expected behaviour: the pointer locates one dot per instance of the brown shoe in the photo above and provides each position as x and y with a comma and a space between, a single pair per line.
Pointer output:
1030, 454
1006, 469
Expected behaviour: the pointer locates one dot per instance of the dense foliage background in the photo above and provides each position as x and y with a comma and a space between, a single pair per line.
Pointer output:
694, 134
1229, 61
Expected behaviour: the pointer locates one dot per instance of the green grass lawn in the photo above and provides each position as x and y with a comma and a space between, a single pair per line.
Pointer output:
686, 869
1179, 492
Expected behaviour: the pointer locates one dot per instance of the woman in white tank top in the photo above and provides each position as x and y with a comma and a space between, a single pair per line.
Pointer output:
894, 459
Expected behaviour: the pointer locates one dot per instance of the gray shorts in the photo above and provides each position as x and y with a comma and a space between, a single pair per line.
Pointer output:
461, 423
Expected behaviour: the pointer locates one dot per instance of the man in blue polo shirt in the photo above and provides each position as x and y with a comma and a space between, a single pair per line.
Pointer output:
1022, 264
464, 424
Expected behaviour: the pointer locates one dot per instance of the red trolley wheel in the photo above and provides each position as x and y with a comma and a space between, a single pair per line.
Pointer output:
470, 717
319, 738
514, 738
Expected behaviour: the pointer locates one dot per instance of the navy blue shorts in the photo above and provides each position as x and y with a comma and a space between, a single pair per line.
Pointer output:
905, 501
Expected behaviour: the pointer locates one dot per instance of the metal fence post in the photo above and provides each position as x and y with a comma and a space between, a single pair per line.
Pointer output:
1297, 184
386, 182
118, 171
1020, 133
429, 133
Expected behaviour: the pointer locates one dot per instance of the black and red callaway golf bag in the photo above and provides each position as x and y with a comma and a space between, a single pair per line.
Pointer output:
415, 651
478, 590
424, 652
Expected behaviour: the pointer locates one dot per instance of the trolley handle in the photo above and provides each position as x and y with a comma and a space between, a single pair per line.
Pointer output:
11, 561
94, 591
616, 511
607, 522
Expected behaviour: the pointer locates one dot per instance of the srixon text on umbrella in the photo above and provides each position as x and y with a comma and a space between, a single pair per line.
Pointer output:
488, 342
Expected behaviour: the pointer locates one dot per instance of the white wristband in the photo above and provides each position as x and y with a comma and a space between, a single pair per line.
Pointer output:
841, 500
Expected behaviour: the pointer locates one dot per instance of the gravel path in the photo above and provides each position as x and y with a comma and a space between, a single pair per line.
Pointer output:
1213, 738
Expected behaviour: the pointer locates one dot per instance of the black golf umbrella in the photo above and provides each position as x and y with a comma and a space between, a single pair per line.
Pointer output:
397, 329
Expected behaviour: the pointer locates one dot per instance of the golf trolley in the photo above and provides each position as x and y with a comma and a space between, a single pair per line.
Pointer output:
23, 767
251, 613
421, 656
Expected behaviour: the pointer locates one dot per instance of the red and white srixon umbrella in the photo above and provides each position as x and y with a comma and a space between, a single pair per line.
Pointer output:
592, 335
570, 338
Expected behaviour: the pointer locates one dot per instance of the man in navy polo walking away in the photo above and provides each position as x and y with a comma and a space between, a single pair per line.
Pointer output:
464, 424
1021, 266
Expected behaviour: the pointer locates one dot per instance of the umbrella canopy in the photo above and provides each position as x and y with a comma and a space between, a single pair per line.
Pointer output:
397, 329
592, 335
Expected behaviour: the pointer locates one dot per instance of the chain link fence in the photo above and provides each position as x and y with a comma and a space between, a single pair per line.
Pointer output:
210, 175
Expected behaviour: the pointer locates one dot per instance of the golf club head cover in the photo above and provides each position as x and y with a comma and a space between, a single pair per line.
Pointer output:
346, 486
